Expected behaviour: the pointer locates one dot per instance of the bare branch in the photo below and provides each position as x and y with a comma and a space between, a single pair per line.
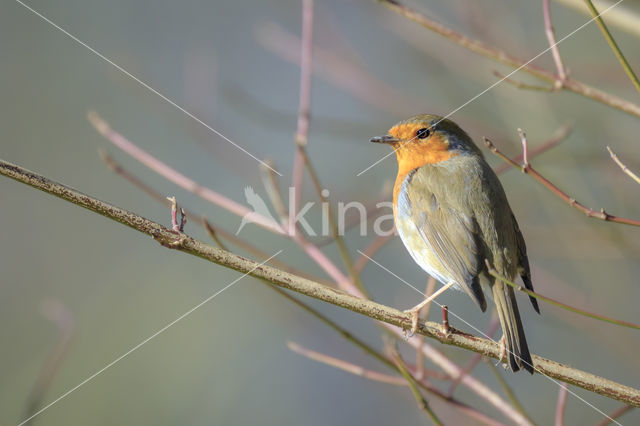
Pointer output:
494, 273
556, 138
528, 169
562, 404
623, 167
615, 415
60, 315
612, 43
394, 380
551, 37
511, 395
392, 318
498, 55
422, 403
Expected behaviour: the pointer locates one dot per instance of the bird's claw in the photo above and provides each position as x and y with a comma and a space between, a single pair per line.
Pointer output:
415, 315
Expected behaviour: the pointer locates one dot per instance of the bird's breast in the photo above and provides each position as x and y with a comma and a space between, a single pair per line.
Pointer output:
412, 238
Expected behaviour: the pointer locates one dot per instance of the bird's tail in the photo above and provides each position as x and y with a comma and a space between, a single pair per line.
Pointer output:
515, 342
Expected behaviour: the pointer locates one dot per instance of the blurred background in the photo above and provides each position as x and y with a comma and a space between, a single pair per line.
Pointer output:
235, 66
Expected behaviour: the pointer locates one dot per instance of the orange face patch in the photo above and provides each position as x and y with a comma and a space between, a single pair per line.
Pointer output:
413, 152
406, 132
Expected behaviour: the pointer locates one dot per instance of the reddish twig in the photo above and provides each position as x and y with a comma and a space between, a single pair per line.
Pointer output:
393, 380
551, 37
528, 169
498, 55
177, 227
346, 366
178, 178
218, 199
445, 319
616, 415
370, 250
558, 137
302, 131
562, 403
475, 360
301, 159
340, 71
214, 232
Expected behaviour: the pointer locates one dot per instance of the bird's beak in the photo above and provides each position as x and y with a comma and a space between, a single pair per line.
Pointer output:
388, 139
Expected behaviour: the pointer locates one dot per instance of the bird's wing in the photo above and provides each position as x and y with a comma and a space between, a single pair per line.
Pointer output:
451, 232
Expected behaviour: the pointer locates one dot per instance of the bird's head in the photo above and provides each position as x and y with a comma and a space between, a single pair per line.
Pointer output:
427, 139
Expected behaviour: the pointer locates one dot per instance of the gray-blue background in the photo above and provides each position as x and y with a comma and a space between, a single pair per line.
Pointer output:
228, 363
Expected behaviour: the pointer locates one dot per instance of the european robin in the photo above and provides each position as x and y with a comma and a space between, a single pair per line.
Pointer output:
452, 215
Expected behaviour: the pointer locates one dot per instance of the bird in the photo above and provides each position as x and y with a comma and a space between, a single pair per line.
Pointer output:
452, 214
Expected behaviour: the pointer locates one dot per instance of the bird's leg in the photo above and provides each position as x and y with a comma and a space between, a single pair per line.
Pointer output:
415, 311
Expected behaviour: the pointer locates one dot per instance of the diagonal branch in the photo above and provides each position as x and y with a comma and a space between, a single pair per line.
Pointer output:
528, 169
624, 168
505, 58
385, 314
551, 37
612, 43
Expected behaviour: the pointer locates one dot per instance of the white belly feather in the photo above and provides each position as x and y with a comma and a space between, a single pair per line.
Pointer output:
417, 247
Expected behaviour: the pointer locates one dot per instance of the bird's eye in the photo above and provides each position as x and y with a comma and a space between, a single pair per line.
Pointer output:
423, 133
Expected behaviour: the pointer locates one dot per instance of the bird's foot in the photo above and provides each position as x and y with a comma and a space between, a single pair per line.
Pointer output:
415, 316
415, 311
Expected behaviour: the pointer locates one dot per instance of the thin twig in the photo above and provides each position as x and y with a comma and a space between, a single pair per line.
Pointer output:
175, 225
602, 215
394, 380
178, 178
556, 138
214, 232
424, 313
60, 315
389, 316
335, 231
615, 415
554, 302
498, 55
624, 18
302, 131
270, 182
216, 198
623, 167
551, 37
561, 405
370, 250
340, 70
508, 391
402, 368
475, 360
523, 85
347, 366
612, 43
